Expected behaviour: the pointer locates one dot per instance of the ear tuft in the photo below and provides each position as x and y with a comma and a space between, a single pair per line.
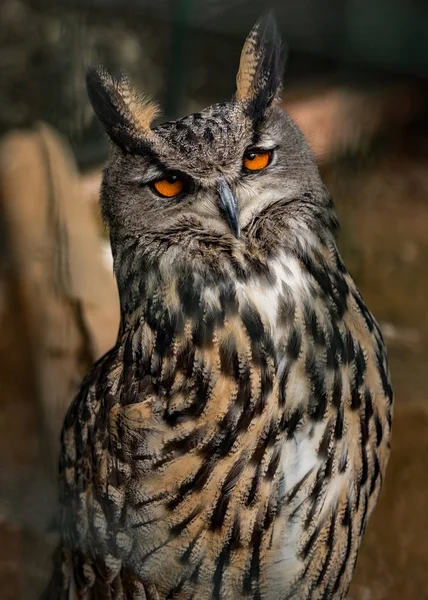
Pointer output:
260, 72
125, 113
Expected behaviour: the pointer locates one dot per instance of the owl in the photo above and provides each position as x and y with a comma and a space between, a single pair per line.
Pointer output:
233, 442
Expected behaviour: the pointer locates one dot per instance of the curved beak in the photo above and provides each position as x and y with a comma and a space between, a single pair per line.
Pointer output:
228, 205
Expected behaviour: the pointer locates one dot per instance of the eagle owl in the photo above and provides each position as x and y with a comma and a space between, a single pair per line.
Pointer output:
233, 442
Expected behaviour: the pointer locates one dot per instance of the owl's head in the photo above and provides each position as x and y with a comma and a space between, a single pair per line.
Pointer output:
199, 185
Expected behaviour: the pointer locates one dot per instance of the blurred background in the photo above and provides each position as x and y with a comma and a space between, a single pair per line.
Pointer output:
356, 83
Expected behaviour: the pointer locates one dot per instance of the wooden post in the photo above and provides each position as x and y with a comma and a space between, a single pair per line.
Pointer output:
66, 296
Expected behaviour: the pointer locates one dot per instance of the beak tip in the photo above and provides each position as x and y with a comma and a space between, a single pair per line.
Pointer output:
229, 208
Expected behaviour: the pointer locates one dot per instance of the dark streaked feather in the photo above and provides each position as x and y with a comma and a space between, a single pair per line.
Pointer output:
261, 68
125, 113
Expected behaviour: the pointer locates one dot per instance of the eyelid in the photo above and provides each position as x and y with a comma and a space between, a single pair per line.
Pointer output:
146, 176
261, 148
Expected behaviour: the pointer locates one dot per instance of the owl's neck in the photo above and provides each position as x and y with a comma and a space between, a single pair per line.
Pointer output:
181, 273
184, 326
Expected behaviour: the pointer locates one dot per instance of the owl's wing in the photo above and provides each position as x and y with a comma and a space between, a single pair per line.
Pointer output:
63, 585
86, 564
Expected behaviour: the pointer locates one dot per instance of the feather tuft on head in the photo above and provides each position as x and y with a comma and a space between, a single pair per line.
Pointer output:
125, 112
259, 78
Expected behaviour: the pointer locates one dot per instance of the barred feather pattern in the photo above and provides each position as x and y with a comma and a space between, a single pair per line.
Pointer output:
233, 443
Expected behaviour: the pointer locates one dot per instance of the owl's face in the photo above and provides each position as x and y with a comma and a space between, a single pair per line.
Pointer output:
206, 177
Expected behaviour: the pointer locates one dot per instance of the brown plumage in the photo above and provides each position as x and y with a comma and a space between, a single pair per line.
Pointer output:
233, 442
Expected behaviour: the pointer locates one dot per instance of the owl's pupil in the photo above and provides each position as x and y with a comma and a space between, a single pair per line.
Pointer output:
251, 156
171, 178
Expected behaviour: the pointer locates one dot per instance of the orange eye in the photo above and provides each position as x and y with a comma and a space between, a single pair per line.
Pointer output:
257, 160
169, 186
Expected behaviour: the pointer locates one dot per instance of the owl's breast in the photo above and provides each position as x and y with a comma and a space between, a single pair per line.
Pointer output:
247, 438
